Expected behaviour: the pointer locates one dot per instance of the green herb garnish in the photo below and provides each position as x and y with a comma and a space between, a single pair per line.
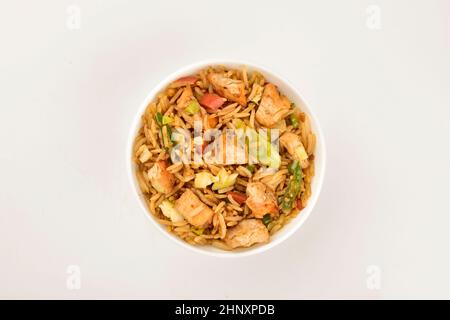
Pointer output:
293, 188
294, 121
266, 219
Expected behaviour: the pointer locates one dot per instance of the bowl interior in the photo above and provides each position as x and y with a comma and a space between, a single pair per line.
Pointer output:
319, 158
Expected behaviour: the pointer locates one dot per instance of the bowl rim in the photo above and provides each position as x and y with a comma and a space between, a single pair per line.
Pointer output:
319, 171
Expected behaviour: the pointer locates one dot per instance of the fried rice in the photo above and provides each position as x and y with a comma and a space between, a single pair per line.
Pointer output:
191, 184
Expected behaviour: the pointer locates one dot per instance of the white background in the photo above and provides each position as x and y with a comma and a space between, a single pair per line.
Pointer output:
67, 102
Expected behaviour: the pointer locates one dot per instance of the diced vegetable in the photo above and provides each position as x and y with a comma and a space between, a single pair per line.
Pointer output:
192, 108
293, 166
170, 212
293, 189
184, 81
203, 179
159, 118
239, 124
212, 102
294, 121
204, 145
224, 180
301, 153
251, 168
163, 121
212, 121
238, 197
267, 219
267, 153
169, 133
166, 119
299, 204
198, 231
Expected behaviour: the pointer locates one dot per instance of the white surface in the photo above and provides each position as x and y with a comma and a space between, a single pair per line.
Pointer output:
69, 96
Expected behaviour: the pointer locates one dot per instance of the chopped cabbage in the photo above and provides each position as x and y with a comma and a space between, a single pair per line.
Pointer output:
192, 108
170, 212
224, 180
203, 179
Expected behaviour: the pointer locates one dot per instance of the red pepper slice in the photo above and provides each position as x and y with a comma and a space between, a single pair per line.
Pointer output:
238, 197
184, 81
212, 102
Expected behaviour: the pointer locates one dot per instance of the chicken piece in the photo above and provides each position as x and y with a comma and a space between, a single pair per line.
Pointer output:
161, 179
294, 146
185, 97
231, 89
143, 154
261, 200
194, 210
273, 107
247, 233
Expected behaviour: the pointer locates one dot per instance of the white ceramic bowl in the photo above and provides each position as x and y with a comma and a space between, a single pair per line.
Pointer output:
287, 89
